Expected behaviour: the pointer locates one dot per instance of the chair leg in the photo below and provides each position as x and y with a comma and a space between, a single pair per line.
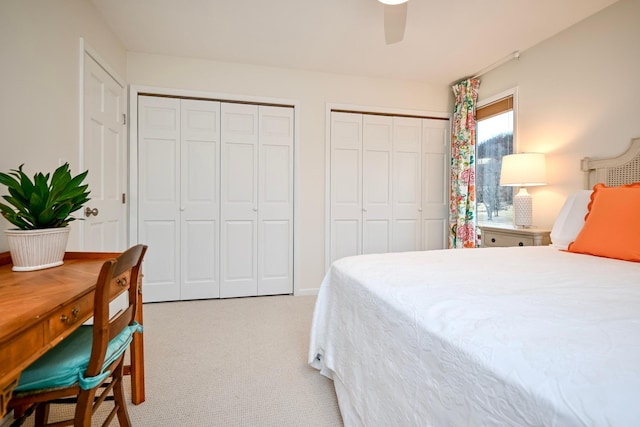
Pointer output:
118, 396
20, 414
84, 408
42, 414
19, 410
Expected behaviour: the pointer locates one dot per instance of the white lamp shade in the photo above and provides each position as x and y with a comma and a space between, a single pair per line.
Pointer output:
393, 2
523, 170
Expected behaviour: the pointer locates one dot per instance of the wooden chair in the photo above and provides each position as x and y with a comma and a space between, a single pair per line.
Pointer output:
82, 363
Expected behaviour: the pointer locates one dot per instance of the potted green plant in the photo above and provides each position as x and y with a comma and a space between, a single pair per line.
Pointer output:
41, 210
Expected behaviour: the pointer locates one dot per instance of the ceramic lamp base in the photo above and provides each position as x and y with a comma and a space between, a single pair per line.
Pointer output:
523, 208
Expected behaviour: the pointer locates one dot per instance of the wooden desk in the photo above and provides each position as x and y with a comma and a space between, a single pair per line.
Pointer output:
38, 309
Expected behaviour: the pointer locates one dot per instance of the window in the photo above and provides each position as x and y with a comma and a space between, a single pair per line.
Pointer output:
495, 127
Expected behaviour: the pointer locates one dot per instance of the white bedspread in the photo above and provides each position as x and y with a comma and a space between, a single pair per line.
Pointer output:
534, 337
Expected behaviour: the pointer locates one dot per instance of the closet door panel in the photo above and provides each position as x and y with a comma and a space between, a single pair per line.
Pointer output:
376, 236
239, 203
275, 257
239, 249
161, 276
377, 181
159, 216
346, 185
199, 178
275, 201
435, 233
346, 198
199, 269
407, 178
435, 195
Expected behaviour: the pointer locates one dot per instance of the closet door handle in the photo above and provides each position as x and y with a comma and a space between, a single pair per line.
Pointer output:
255, 209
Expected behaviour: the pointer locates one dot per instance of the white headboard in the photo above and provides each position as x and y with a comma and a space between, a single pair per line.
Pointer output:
624, 169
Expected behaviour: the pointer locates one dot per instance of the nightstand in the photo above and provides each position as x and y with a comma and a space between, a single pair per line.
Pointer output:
493, 236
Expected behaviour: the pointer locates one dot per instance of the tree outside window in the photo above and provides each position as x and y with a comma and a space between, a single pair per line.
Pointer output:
494, 204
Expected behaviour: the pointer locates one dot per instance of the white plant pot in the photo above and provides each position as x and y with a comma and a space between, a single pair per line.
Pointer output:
37, 249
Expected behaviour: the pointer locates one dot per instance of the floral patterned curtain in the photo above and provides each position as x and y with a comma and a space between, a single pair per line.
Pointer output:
462, 221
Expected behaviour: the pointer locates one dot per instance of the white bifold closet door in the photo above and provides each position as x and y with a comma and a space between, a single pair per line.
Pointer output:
377, 203
435, 183
388, 184
215, 198
346, 185
257, 200
179, 158
407, 184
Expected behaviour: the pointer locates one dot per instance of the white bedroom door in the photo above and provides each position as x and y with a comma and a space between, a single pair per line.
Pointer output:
104, 156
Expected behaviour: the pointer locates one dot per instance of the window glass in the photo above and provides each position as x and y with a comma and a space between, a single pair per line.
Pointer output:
494, 204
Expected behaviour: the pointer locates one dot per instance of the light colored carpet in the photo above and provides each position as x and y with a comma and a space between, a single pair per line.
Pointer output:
232, 362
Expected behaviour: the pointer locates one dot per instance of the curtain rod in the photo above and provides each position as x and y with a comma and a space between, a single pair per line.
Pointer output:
513, 55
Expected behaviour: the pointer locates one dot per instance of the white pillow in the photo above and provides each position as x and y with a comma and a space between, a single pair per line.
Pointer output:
570, 219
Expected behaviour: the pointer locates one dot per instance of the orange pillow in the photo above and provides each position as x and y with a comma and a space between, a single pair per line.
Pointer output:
612, 225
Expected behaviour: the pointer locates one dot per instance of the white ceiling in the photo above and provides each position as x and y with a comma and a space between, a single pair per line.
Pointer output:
445, 40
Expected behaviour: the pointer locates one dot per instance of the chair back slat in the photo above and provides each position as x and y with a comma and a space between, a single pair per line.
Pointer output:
115, 275
122, 320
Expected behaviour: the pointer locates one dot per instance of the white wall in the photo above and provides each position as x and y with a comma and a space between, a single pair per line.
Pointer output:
312, 91
578, 97
39, 82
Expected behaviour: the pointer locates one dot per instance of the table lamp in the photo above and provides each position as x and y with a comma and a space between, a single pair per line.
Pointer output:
523, 170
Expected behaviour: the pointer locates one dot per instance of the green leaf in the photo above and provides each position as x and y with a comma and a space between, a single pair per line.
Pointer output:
36, 204
6, 209
16, 220
63, 210
61, 173
21, 207
25, 183
19, 197
60, 180
46, 217
9, 181
75, 182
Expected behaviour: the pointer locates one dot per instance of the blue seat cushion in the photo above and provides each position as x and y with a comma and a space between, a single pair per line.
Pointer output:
65, 364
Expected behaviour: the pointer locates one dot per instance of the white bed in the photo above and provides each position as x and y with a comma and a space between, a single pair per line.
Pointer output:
539, 337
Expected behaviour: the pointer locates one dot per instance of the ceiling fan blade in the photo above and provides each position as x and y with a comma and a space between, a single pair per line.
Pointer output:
395, 19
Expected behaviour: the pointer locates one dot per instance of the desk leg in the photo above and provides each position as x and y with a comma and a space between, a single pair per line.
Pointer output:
137, 369
6, 389
137, 358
